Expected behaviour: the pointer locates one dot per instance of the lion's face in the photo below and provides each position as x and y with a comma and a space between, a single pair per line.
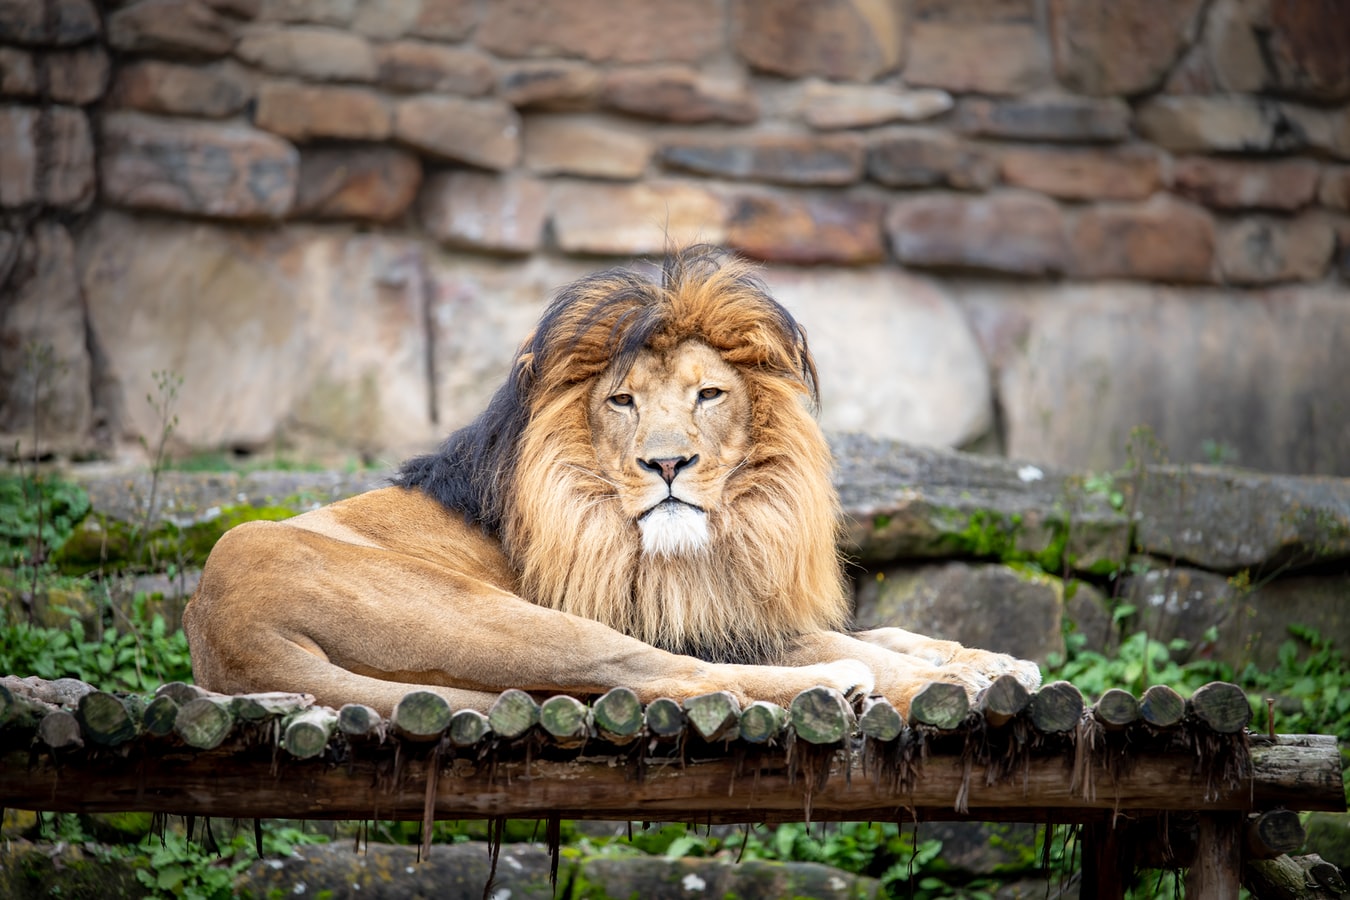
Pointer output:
668, 435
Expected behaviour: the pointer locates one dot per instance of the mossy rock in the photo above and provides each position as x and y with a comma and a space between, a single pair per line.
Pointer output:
39, 871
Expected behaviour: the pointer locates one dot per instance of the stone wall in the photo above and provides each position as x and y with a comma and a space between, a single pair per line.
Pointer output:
1026, 226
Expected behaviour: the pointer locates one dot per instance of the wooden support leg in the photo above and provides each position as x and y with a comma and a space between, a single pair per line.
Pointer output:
1105, 868
1217, 869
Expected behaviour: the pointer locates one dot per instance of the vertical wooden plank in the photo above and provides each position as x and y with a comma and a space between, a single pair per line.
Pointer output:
1217, 870
1105, 867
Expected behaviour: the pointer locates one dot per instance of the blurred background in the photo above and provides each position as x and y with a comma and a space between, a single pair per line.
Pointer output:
1024, 227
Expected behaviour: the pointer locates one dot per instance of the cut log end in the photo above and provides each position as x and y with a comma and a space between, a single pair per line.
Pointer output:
821, 715
1116, 709
940, 705
1272, 833
1003, 700
665, 718
566, 718
1162, 707
1057, 708
468, 727
421, 716
618, 715
204, 723
307, 733
1222, 707
358, 720
880, 720
105, 719
714, 716
762, 721
513, 714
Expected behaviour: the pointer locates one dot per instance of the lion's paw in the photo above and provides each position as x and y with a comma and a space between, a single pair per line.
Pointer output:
983, 667
849, 677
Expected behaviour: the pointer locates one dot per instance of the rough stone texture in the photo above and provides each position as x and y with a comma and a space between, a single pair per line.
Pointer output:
446, 20
1130, 173
1341, 225
678, 94
487, 212
641, 31
1119, 48
338, 13
844, 40
211, 92
1334, 190
549, 84
303, 112
1308, 51
198, 168
54, 23
385, 19
78, 76
174, 28
1207, 371
810, 229
595, 148
1163, 239
375, 184
826, 105
313, 53
879, 320
483, 133
993, 607
925, 157
1265, 249
332, 323
1230, 124
1242, 184
777, 157
647, 217
44, 356
46, 155
424, 66
1008, 231
986, 58
667, 879
1046, 118
1324, 130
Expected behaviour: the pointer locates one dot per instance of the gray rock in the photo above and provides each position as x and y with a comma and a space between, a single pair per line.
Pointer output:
655, 878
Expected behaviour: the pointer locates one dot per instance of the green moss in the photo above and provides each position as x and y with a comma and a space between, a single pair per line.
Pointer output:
880, 521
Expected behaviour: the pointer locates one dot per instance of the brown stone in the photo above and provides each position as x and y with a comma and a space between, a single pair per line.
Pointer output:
309, 52
338, 13
1046, 118
1341, 226
356, 182
845, 40
679, 94
994, 58
445, 20
1327, 130
175, 28
78, 76
570, 145
483, 133
48, 23
1216, 125
302, 112
1013, 232
549, 84
423, 66
638, 31
1286, 184
18, 76
1162, 240
385, 19
834, 159
1120, 48
1131, 173
1267, 250
46, 155
239, 9
807, 229
921, 157
212, 92
503, 214
645, 217
974, 10
1335, 187
18, 155
826, 105
223, 171
1308, 45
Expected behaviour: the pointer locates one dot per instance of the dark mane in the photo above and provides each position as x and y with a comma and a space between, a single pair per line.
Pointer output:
601, 321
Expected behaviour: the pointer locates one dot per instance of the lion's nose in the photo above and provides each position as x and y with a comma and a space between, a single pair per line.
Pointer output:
668, 466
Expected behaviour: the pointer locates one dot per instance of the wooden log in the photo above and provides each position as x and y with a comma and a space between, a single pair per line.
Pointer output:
308, 731
1057, 707
1216, 873
60, 730
821, 715
421, 716
181, 692
512, 714
19, 710
939, 705
359, 721
468, 727
204, 723
1273, 833
664, 718
1328, 876
1295, 765
880, 720
762, 722
1003, 700
1116, 709
1290, 878
105, 719
1105, 865
566, 719
268, 705
1162, 707
8, 706
159, 715
1221, 706
714, 716
618, 716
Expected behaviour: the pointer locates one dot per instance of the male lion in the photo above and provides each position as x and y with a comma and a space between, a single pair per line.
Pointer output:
645, 502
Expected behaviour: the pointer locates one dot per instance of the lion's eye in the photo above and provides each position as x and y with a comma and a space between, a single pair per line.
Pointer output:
621, 400
710, 393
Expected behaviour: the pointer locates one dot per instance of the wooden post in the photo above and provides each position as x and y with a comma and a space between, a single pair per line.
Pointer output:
1104, 865
1217, 870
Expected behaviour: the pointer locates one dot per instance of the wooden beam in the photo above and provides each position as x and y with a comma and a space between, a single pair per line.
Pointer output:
1216, 873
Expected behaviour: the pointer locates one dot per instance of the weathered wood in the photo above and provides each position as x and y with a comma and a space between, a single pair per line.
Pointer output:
567, 719
1327, 875
159, 716
821, 715
1286, 878
1116, 709
105, 719
762, 721
940, 705
182, 692
618, 716
1273, 833
1221, 706
359, 721
1162, 707
59, 730
272, 704
421, 716
880, 720
468, 727
713, 716
512, 714
1295, 766
1104, 874
1057, 707
205, 722
1216, 872
1003, 700
665, 718
307, 732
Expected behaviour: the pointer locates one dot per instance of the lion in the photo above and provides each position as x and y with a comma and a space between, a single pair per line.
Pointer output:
645, 502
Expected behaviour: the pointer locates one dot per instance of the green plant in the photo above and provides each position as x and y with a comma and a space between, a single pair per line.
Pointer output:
36, 517
162, 402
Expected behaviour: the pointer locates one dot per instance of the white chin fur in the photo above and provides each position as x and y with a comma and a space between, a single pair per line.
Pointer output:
674, 529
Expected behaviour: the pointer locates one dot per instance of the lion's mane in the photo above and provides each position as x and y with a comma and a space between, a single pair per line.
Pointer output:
525, 469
